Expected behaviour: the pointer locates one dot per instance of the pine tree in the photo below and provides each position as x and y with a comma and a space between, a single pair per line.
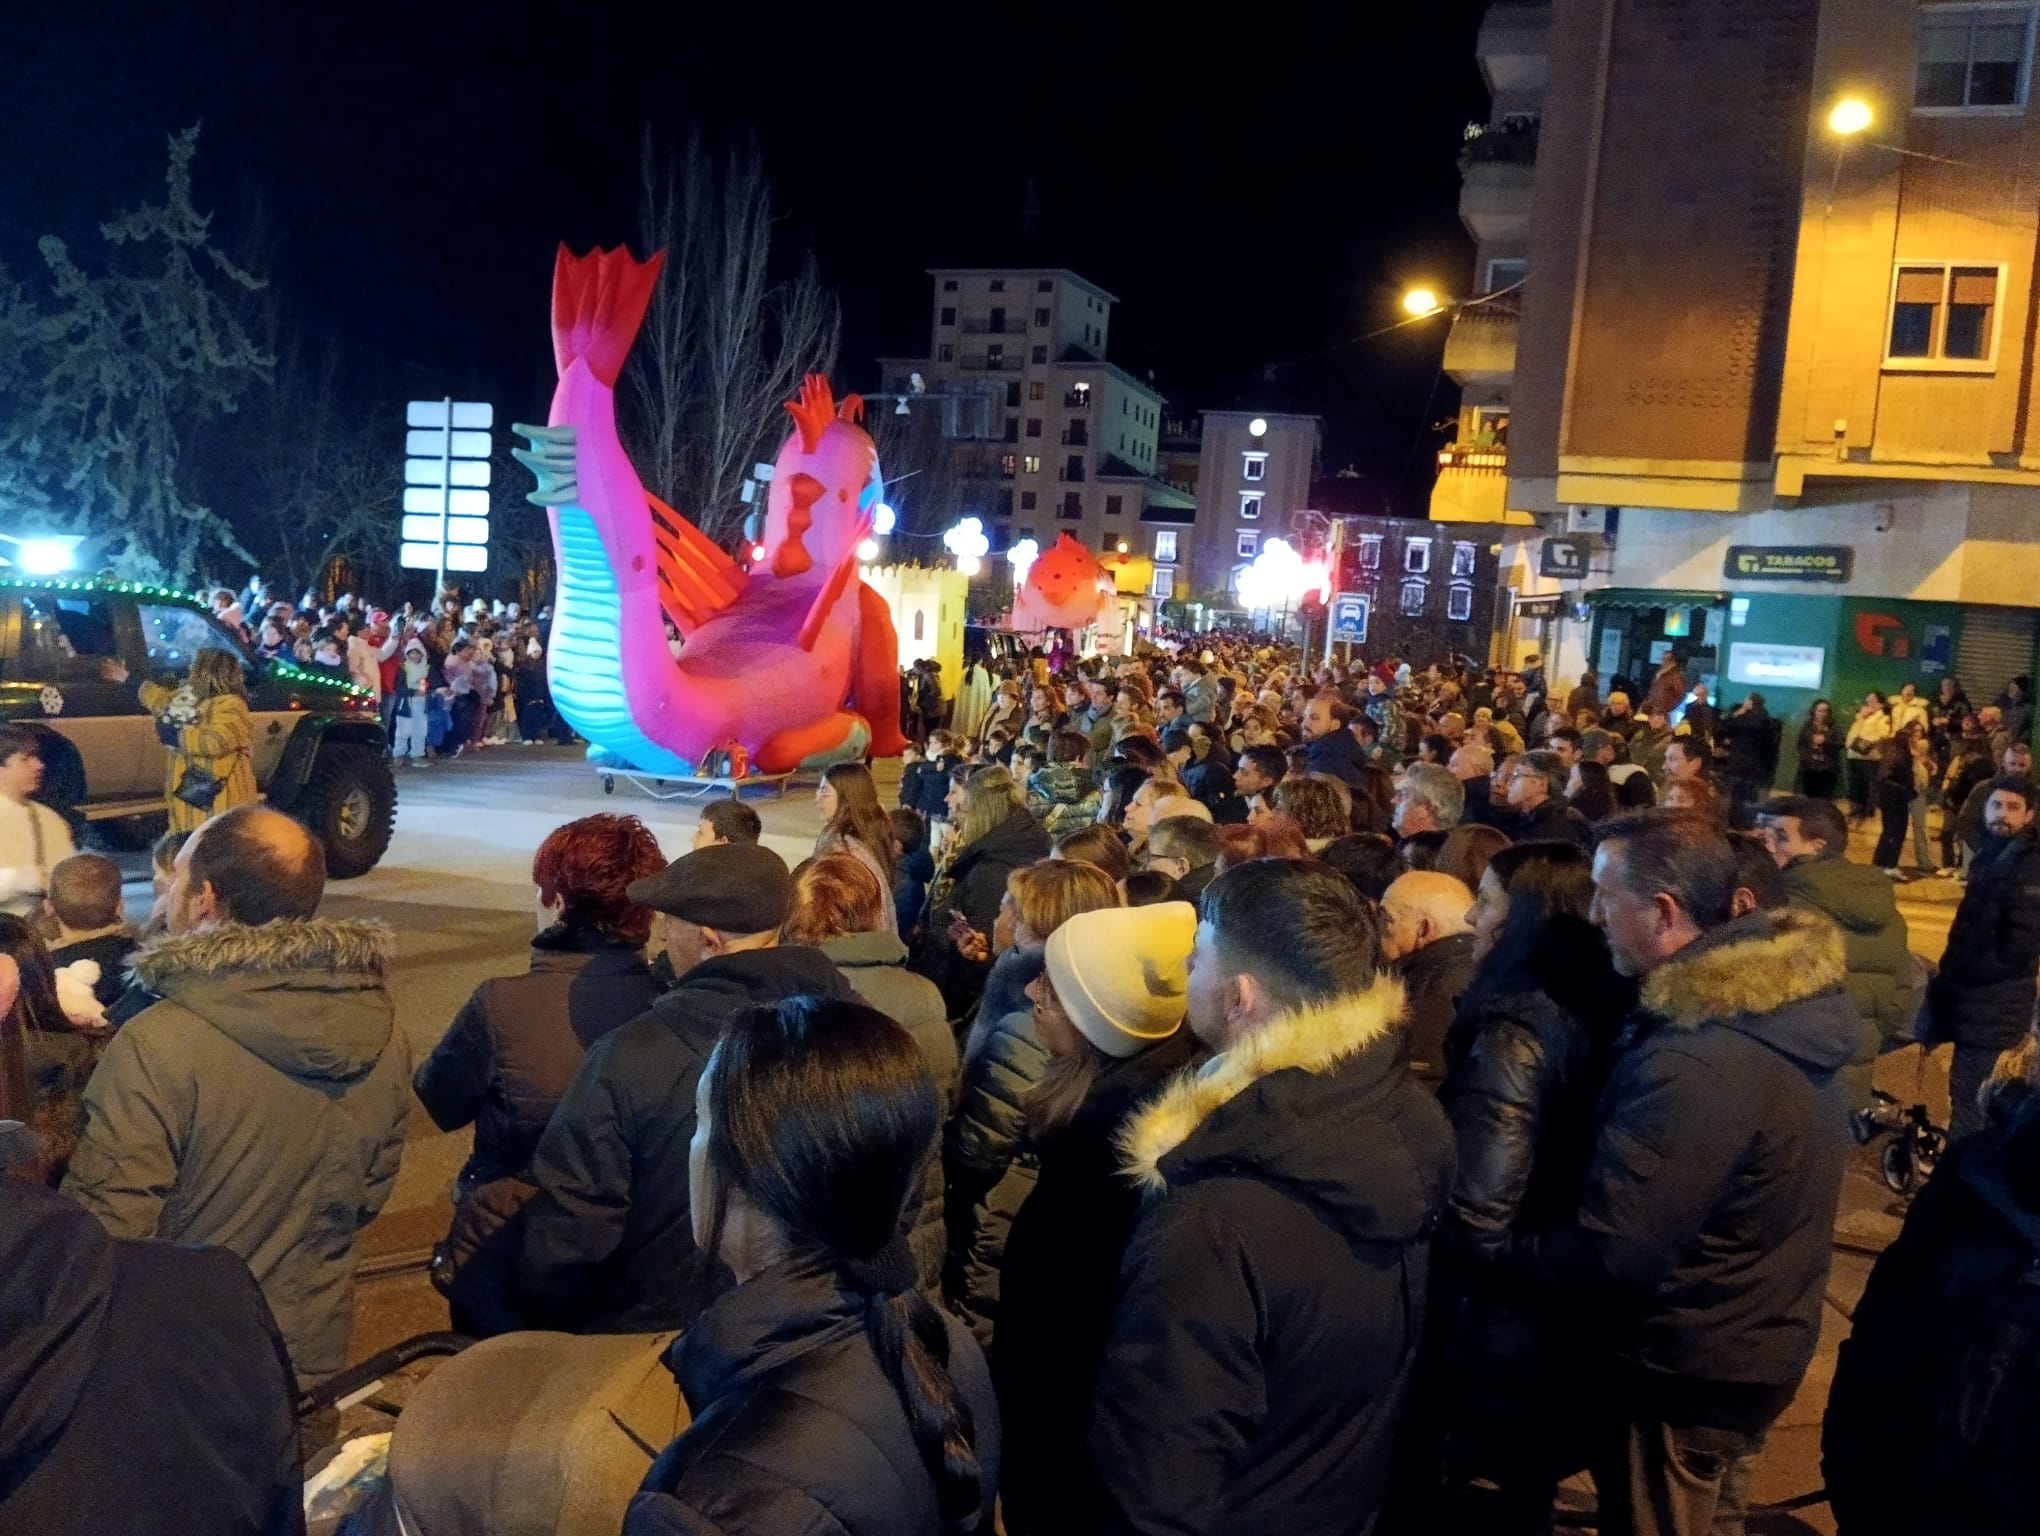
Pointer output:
103, 379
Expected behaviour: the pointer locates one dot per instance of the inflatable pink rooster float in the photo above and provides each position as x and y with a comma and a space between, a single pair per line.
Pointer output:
796, 659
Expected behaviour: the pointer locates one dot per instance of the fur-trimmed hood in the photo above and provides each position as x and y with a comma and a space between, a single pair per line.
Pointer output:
1316, 1101
1757, 971
305, 995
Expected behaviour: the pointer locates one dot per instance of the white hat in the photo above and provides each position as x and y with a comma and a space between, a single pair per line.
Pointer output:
1122, 974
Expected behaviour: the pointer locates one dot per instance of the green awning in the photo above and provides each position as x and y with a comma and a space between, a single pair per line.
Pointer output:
1651, 597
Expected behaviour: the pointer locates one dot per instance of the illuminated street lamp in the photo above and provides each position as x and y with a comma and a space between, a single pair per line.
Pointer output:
1851, 115
968, 543
1420, 302
1021, 557
868, 551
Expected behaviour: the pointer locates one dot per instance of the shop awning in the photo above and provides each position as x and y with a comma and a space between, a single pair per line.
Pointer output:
1652, 597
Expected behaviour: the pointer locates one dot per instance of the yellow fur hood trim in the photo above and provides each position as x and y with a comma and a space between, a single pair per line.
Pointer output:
1755, 965
1315, 1039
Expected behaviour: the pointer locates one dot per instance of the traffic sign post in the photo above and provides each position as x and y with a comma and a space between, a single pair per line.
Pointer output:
446, 488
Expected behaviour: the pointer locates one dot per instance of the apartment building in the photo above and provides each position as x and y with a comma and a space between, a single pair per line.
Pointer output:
1254, 474
1050, 436
1771, 398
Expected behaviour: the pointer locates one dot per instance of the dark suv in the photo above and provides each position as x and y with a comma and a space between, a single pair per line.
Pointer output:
320, 751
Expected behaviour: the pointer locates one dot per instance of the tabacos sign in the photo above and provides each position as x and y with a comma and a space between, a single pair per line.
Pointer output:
1790, 562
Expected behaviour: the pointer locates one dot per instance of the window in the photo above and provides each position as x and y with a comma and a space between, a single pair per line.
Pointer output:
1370, 551
995, 354
1163, 586
1413, 598
1974, 58
949, 285
1250, 505
1462, 558
1165, 547
1012, 433
998, 285
1005, 504
1013, 392
1040, 354
1009, 465
1249, 545
945, 353
1073, 467
1031, 464
1041, 317
64, 639
1038, 390
1416, 556
1114, 505
1045, 285
948, 314
1506, 272
1072, 506
1459, 603
1028, 500
1253, 466
1034, 426
1943, 316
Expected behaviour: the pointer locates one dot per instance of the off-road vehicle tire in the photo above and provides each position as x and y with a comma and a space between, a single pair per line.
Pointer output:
349, 803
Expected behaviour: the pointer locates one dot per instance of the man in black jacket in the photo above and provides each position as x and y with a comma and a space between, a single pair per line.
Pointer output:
143, 1385
1982, 999
608, 1239
1532, 787
1329, 746
1701, 1246
1273, 1294
1430, 949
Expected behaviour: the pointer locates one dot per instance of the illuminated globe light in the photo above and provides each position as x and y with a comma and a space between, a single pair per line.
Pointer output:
1421, 302
1852, 114
970, 565
868, 551
883, 519
1022, 557
967, 542
1280, 577
46, 556
757, 553
1258, 426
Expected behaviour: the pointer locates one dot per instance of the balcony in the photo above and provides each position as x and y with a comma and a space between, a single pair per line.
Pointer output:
983, 363
1076, 437
1481, 347
979, 326
1076, 399
1494, 193
1515, 49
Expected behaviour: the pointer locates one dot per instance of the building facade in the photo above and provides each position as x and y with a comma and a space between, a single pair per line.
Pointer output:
1049, 436
1254, 474
1772, 391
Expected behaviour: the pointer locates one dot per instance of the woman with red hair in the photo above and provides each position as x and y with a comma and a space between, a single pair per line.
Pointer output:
514, 1049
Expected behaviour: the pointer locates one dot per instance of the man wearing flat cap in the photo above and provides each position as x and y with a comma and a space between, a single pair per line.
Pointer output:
608, 1239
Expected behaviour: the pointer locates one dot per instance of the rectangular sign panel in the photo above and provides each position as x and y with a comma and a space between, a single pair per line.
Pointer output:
1562, 557
1790, 562
433, 472
462, 503
476, 414
1780, 666
421, 528
1349, 617
431, 444
467, 557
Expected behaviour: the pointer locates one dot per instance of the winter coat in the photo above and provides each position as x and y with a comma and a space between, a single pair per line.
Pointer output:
1983, 993
797, 1427
989, 1168
143, 1388
1867, 735
514, 1047
1824, 758
1701, 1245
1858, 899
1749, 744
221, 742
1337, 753
1930, 1335
1274, 1289
259, 1104
608, 1242
1210, 782
1667, 688
976, 885
1064, 796
1057, 1287
1554, 821
875, 965
1433, 977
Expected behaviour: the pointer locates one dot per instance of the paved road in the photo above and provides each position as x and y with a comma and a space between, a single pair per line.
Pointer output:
456, 887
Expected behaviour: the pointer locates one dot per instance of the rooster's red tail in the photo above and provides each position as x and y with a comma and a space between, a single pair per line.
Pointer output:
599, 301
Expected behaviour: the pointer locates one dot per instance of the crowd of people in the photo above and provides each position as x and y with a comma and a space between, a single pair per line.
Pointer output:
1221, 1094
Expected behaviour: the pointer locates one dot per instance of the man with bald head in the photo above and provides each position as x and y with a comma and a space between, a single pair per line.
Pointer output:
258, 1100
1428, 943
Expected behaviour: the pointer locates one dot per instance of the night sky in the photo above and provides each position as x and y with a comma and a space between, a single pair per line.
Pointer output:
1254, 191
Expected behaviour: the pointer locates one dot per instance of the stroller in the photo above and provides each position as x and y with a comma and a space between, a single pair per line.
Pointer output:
524, 1434
1915, 1142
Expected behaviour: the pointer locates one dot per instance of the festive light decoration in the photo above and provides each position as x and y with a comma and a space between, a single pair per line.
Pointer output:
967, 540
883, 520
794, 659
1280, 577
1022, 555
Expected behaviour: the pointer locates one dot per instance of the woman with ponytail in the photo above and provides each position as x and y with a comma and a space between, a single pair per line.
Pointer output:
827, 1395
